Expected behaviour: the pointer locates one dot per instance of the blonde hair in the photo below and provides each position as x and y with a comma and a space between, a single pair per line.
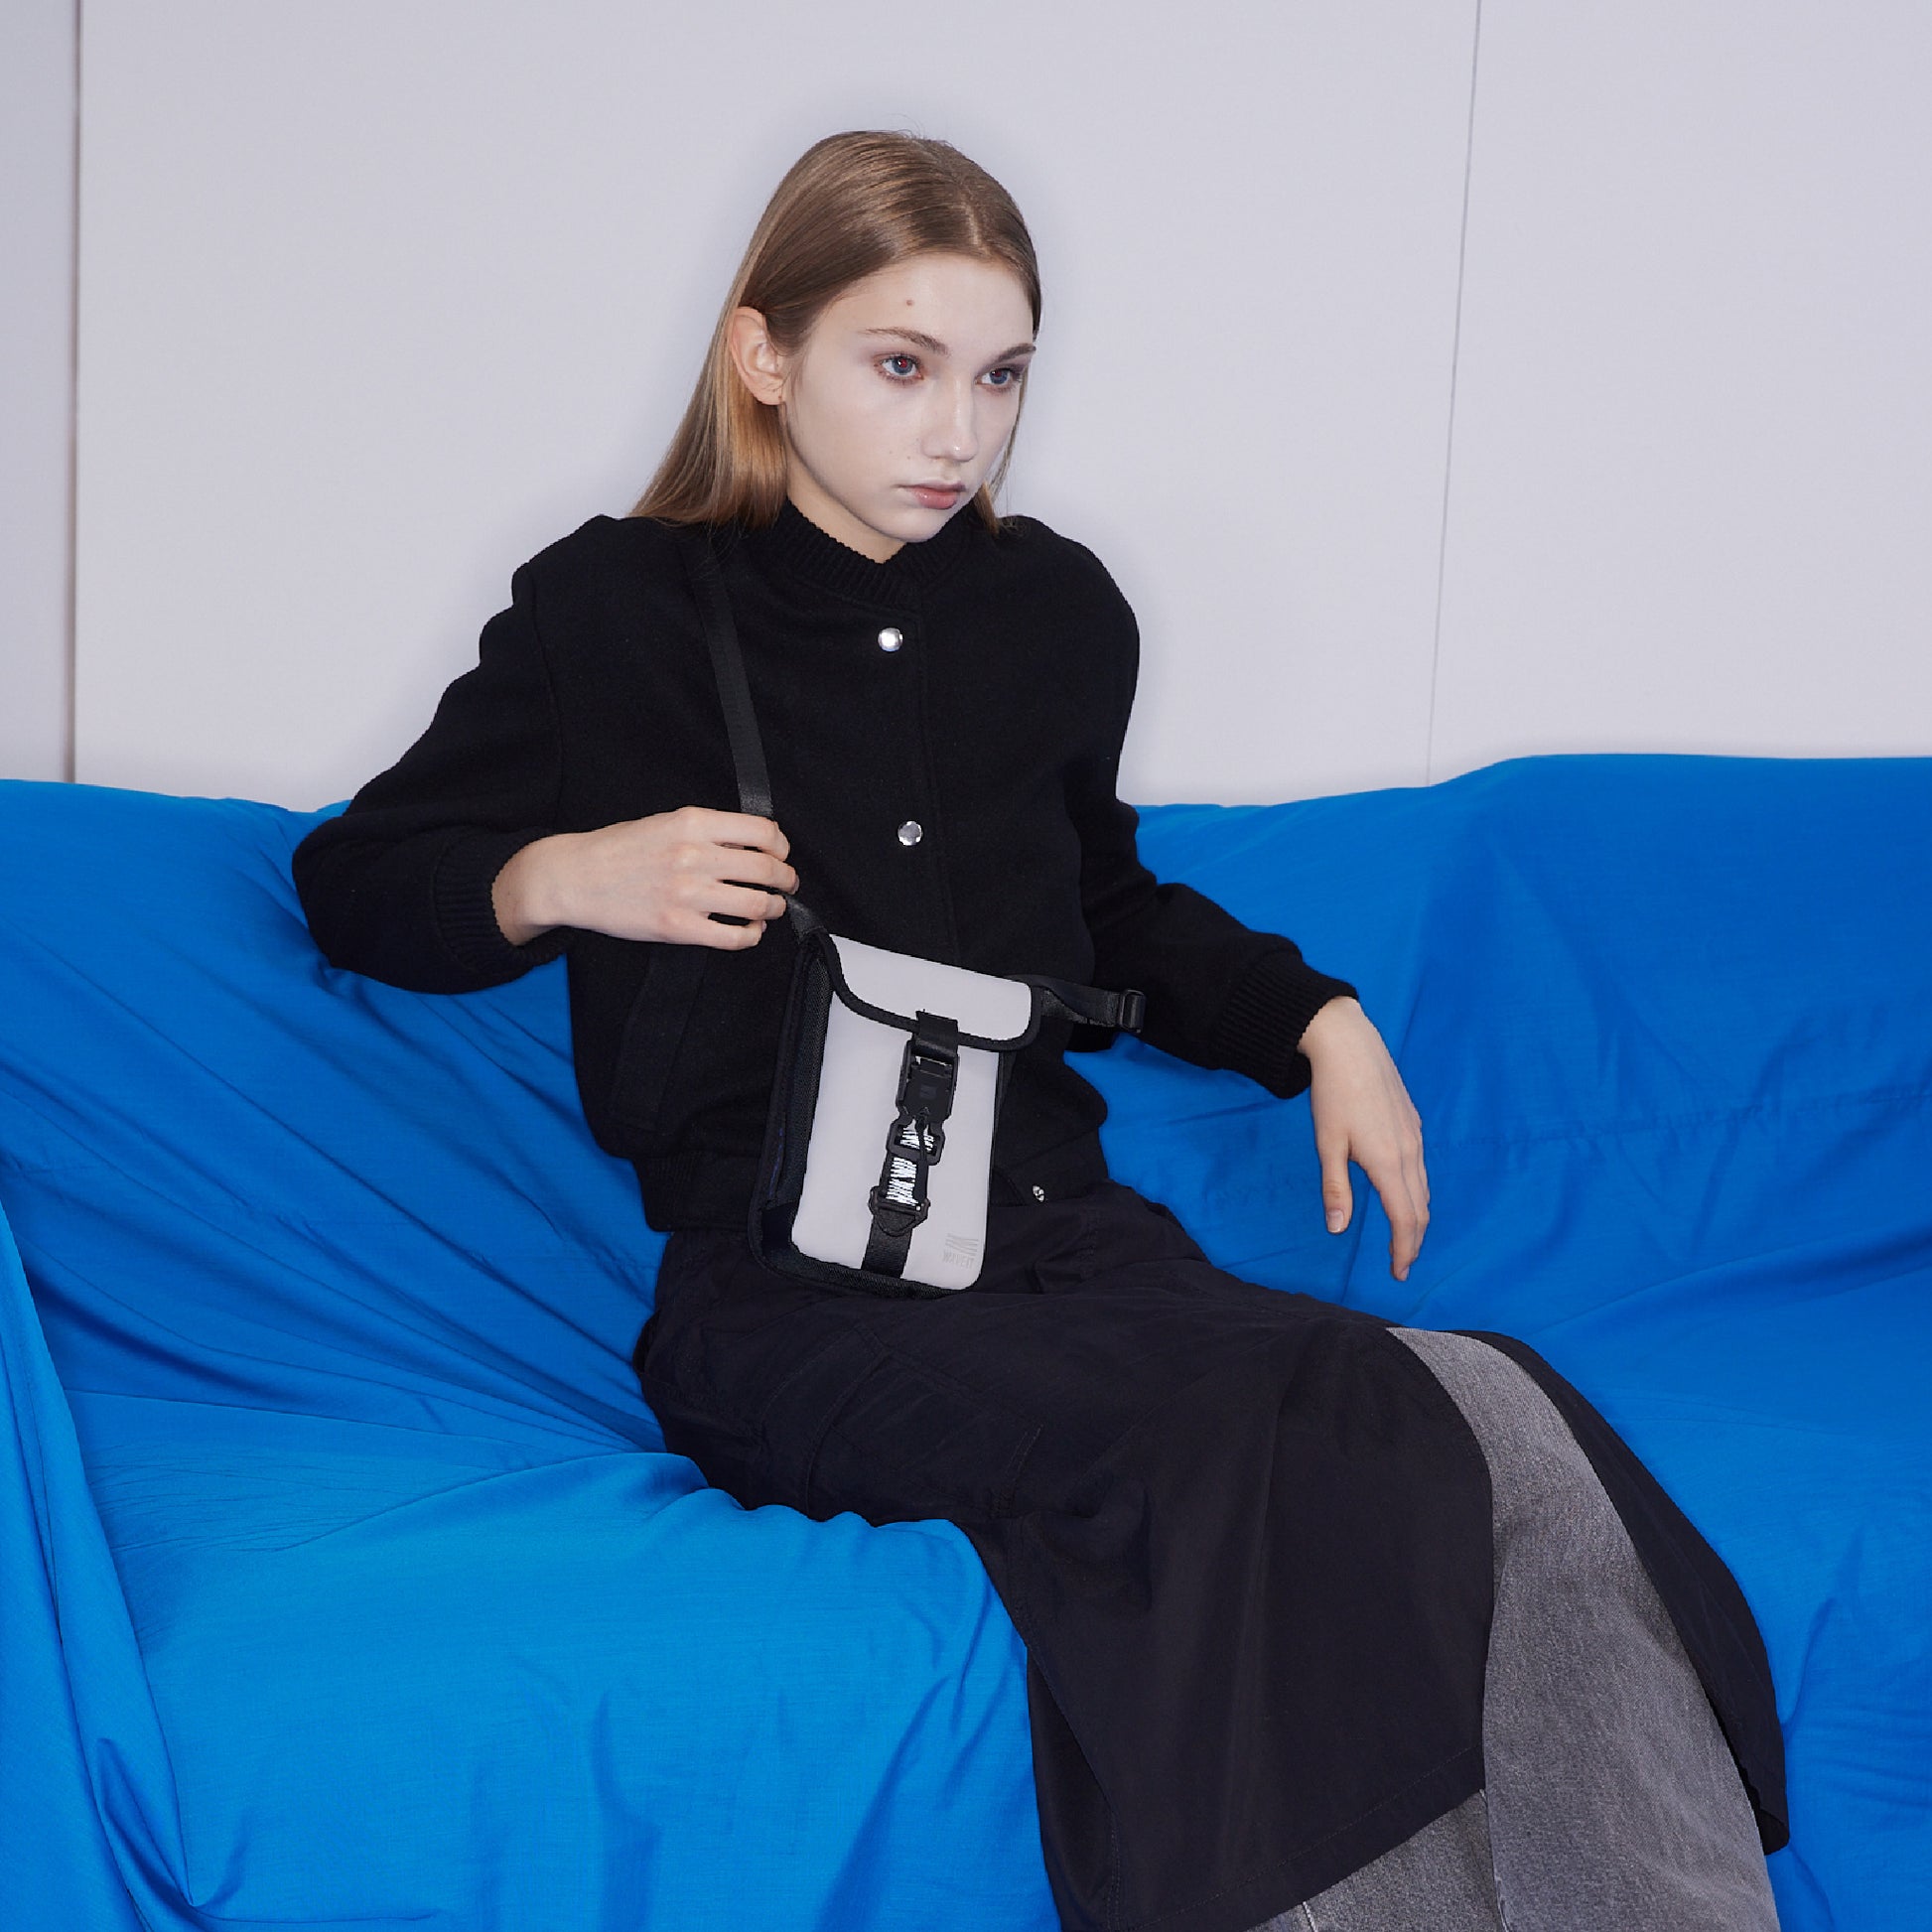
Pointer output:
850, 204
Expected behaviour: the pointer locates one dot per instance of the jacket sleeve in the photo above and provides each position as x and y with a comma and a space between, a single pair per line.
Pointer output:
398, 885
1218, 993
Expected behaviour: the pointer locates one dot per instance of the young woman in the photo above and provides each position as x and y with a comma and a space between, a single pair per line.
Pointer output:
1330, 1624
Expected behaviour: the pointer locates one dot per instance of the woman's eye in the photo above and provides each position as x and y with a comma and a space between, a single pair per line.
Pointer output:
1007, 371
888, 362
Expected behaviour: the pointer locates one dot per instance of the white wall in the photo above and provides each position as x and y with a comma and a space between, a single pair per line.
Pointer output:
1692, 502
37, 142
377, 298
380, 299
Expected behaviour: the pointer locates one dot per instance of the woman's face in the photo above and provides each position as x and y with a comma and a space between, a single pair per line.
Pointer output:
898, 404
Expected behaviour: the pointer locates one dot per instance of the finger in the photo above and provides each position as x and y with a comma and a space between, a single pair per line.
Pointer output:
1405, 1246
743, 902
1390, 1172
744, 830
1419, 1193
707, 898
695, 930
741, 867
1338, 1197
1412, 1177
1404, 1232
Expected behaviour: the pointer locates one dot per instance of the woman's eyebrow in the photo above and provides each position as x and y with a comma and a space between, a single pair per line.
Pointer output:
938, 348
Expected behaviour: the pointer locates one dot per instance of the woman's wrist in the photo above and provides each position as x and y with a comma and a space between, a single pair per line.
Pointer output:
525, 894
1331, 1018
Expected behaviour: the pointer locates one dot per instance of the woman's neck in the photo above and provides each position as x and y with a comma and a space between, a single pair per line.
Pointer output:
838, 523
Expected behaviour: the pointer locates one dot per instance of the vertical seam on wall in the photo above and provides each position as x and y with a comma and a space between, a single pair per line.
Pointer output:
71, 667
1448, 439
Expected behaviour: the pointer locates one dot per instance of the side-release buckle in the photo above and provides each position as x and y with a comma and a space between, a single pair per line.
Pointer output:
916, 1139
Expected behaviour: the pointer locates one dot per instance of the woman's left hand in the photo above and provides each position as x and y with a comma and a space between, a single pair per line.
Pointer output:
1362, 1112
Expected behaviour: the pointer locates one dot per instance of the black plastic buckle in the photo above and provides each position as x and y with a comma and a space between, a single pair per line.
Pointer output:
927, 1077
894, 1219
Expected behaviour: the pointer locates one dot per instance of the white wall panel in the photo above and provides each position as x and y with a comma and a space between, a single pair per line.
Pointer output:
378, 298
36, 107
1692, 478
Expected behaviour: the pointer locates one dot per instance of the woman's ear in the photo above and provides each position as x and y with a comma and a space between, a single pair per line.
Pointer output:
759, 366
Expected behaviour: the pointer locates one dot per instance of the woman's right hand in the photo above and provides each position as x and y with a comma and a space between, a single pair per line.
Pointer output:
657, 878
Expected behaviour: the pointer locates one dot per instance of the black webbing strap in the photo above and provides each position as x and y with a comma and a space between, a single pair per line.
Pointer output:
1090, 1005
728, 666
754, 776
928, 1075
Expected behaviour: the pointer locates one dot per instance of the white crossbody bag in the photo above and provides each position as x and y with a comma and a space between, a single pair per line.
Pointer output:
878, 1144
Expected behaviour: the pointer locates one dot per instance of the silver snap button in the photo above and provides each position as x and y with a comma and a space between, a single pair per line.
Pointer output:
912, 832
1040, 1192
891, 637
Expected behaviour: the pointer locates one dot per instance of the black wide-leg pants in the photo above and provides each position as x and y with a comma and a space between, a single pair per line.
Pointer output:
1245, 1535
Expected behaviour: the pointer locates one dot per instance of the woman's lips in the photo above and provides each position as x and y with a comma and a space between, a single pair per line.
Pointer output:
936, 499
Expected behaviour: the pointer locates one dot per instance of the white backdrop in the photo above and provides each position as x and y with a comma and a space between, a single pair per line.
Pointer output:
379, 297
1692, 502
37, 149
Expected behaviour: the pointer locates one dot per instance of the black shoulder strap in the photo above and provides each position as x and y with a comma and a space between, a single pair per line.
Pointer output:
707, 581
728, 666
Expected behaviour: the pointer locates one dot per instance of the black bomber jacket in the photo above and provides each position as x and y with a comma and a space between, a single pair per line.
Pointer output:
944, 731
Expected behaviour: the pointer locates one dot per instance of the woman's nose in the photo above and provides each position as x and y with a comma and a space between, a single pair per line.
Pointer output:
952, 432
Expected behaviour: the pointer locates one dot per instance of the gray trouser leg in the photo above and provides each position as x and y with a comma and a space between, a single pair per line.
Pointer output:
1612, 1804
1436, 1881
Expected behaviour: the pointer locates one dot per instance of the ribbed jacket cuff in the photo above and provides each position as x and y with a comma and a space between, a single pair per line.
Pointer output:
466, 919
1267, 1008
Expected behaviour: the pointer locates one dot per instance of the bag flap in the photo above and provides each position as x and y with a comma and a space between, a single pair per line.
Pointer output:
895, 987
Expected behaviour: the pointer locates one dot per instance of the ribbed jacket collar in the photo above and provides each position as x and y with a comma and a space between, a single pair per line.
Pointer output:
794, 545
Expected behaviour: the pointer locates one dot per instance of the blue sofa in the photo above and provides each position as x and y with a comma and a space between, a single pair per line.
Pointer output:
344, 1581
